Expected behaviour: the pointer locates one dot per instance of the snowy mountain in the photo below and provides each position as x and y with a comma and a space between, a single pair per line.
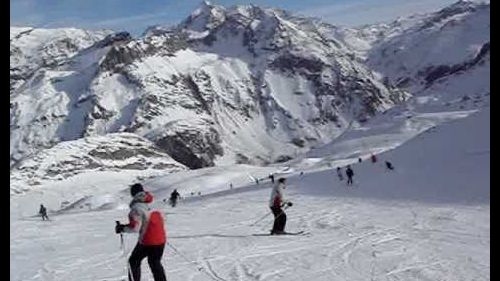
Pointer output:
443, 54
227, 85
32, 49
429, 219
242, 84
244, 90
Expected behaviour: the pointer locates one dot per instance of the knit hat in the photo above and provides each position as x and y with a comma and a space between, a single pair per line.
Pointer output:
136, 188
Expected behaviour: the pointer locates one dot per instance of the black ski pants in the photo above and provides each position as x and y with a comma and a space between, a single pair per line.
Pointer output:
279, 219
154, 254
173, 201
349, 180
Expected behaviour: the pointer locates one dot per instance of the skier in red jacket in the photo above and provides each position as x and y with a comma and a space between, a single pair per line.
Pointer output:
152, 236
276, 203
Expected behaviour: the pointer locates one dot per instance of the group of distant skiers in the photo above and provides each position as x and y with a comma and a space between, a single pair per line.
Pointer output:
350, 173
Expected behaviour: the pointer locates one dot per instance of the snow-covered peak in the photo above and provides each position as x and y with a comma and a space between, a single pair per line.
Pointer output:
210, 17
33, 48
204, 7
441, 44
362, 39
206, 16
454, 13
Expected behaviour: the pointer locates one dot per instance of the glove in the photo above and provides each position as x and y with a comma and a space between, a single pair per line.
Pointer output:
119, 228
289, 204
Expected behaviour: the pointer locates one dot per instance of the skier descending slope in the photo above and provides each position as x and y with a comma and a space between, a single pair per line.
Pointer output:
43, 212
349, 173
388, 165
173, 198
271, 176
276, 203
152, 237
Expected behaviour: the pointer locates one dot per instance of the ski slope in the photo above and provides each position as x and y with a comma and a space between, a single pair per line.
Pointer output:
426, 220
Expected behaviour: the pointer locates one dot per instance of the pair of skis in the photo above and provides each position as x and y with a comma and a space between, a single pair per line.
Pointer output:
302, 232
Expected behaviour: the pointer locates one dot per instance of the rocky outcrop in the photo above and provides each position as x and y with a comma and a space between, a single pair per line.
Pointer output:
433, 73
122, 151
193, 148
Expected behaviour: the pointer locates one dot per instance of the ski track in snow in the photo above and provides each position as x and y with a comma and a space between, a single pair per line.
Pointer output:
391, 225
338, 247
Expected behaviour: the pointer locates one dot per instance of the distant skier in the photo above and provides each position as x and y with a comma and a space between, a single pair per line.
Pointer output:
374, 158
360, 160
152, 236
339, 174
349, 173
276, 203
43, 212
388, 165
230, 186
257, 181
173, 198
271, 176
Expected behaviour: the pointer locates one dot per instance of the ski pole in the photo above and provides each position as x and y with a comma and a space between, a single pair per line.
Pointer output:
286, 207
130, 273
121, 237
122, 247
265, 216
198, 266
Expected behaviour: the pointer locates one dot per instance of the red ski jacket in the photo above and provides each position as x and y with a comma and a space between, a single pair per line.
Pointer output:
149, 223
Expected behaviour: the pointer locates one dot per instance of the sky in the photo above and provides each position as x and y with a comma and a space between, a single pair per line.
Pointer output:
136, 15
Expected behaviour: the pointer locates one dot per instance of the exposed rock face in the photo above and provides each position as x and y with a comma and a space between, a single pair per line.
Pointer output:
433, 73
123, 151
227, 85
193, 148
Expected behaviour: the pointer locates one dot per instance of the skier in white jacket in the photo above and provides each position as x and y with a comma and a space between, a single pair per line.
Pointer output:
276, 203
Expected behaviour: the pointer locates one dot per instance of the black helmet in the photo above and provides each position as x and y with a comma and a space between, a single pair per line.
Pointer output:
136, 188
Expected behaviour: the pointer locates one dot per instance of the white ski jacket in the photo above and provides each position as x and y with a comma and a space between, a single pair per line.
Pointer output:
277, 196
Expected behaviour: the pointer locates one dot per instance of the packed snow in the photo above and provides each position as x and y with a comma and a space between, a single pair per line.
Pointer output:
426, 220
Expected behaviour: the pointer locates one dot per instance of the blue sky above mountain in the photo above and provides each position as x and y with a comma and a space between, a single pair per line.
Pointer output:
135, 15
